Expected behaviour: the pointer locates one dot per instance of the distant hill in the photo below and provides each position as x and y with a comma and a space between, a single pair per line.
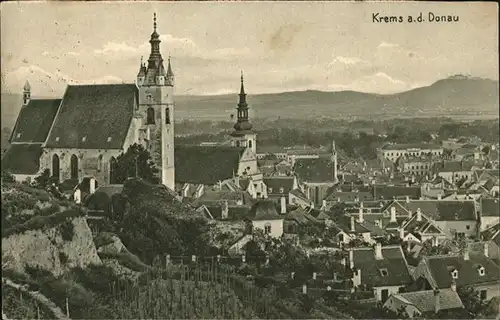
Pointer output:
456, 97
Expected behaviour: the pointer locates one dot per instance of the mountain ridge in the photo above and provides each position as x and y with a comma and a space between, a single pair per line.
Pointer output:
458, 97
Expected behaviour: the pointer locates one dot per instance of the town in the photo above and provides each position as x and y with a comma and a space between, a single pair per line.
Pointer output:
411, 233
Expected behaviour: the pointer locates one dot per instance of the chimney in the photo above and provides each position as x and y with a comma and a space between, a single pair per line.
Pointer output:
401, 233
356, 278
378, 251
393, 214
292, 275
92, 185
419, 214
335, 276
439, 196
324, 204
77, 196
437, 302
314, 275
361, 205
243, 258
412, 179
343, 261
409, 214
353, 226
351, 259
360, 217
453, 286
485, 249
407, 199
304, 288
435, 241
225, 210
283, 205
466, 253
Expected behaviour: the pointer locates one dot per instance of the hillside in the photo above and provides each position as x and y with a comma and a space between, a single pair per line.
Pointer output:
456, 97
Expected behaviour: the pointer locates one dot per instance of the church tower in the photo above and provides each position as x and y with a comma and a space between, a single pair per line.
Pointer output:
243, 135
26, 93
156, 105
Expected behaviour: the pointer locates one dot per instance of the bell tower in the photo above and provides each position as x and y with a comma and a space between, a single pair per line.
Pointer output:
243, 135
26, 93
156, 105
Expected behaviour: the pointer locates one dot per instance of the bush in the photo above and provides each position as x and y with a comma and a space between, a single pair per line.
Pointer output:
43, 222
67, 230
7, 177
63, 257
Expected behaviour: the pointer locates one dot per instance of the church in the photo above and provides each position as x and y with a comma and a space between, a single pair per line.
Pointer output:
82, 134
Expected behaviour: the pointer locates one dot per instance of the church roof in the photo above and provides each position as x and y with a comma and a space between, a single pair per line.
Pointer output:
94, 117
34, 120
206, 164
22, 158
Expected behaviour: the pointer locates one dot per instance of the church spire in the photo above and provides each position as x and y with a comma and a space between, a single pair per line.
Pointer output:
242, 123
26, 93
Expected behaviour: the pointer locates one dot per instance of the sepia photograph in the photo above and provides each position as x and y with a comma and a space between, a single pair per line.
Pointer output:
250, 160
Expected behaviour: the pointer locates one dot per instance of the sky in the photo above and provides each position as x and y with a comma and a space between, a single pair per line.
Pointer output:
279, 46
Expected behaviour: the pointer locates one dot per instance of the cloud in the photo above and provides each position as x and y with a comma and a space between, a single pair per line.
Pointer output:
44, 82
348, 61
379, 82
388, 45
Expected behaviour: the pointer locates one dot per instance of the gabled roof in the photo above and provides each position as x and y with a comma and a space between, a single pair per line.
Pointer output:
22, 158
425, 301
490, 207
301, 216
210, 196
264, 210
270, 149
279, 183
94, 117
34, 120
425, 226
440, 269
384, 192
314, 170
299, 194
393, 262
206, 164
444, 210
424, 146
452, 166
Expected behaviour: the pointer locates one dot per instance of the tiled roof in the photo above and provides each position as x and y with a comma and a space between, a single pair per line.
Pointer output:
425, 301
444, 210
393, 262
383, 192
233, 212
22, 158
452, 166
94, 117
263, 210
490, 207
441, 267
410, 146
299, 194
34, 120
425, 226
220, 196
301, 216
276, 184
314, 170
110, 190
206, 164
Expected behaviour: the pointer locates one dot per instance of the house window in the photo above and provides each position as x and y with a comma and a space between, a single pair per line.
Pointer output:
481, 270
167, 116
454, 274
74, 167
269, 190
467, 227
282, 190
150, 116
384, 272
267, 228
483, 294
341, 237
55, 166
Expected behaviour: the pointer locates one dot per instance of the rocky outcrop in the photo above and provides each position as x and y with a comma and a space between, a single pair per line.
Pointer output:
49, 251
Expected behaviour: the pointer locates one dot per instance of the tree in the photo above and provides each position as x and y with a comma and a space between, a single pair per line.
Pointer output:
136, 162
7, 177
471, 300
44, 180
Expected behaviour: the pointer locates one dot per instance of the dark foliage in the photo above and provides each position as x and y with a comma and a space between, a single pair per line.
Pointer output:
67, 230
136, 162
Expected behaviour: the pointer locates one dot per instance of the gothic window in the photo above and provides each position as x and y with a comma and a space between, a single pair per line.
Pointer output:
150, 116
249, 143
99, 163
112, 170
55, 166
74, 167
167, 116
